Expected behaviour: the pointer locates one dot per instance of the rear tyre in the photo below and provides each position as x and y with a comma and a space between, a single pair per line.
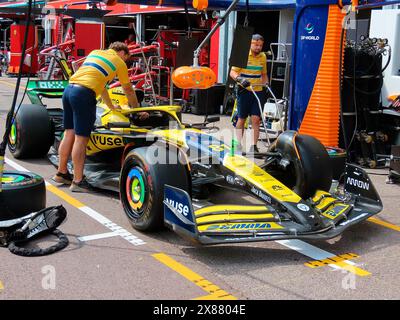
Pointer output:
31, 132
142, 182
22, 193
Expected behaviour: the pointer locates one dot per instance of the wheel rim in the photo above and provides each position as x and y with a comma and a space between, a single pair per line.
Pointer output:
13, 135
9, 178
136, 190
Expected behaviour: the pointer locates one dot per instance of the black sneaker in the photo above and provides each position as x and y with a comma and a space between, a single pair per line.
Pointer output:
64, 178
82, 186
254, 149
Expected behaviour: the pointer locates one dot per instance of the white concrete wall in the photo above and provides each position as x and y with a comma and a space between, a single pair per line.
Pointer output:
386, 24
285, 16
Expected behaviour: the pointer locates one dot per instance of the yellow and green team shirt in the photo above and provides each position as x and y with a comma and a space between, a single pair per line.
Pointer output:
256, 66
99, 69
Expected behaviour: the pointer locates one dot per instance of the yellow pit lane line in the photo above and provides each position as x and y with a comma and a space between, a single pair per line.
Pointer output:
340, 261
384, 224
65, 196
336, 259
1, 286
353, 269
214, 292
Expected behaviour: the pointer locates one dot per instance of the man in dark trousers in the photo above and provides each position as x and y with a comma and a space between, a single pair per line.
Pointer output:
255, 74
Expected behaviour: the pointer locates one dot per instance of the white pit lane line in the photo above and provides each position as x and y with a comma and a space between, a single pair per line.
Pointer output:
92, 213
98, 236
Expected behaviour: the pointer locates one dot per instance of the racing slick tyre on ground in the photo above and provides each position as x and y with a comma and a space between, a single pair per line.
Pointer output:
31, 132
145, 172
22, 193
310, 166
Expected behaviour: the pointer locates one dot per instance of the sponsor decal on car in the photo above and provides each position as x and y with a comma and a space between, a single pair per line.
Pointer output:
261, 194
51, 84
179, 207
243, 226
303, 207
107, 140
358, 183
336, 211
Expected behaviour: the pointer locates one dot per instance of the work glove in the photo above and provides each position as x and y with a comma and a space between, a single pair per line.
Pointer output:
243, 82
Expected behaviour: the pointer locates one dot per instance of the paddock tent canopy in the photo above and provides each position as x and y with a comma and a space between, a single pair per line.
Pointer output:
119, 9
223, 4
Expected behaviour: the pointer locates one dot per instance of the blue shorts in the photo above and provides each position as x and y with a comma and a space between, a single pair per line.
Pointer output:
247, 104
79, 109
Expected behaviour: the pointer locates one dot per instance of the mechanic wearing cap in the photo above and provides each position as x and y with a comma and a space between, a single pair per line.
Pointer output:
255, 74
79, 108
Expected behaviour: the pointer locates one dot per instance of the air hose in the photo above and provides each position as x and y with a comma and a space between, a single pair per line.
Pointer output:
36, 252
43, 222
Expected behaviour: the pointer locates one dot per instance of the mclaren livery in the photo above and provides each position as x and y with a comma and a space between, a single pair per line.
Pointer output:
175, 174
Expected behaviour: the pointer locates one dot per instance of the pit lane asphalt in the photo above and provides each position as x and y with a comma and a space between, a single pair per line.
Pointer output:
168, 267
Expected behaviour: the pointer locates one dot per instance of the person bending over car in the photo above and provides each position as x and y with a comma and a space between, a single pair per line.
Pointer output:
79, 108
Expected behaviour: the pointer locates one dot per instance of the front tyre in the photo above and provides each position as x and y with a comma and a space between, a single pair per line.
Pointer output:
142, 182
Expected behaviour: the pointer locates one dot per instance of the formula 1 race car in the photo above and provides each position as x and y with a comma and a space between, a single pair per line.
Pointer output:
176, 174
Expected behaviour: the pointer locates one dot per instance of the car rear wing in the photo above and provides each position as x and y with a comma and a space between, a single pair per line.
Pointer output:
52, 89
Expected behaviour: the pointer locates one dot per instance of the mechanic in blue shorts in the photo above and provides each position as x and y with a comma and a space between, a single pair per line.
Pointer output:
255, 74
79, 108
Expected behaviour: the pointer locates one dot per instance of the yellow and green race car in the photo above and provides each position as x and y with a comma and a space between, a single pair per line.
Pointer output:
175, 174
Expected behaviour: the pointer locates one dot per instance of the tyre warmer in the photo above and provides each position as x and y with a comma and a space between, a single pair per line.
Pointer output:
16, 232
